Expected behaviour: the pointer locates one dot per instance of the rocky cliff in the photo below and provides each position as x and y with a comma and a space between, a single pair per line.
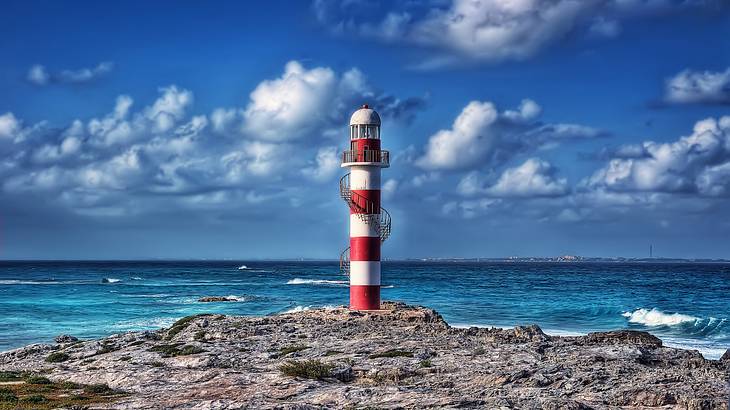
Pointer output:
403, 357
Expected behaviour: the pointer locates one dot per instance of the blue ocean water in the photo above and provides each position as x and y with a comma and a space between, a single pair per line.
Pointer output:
687, 305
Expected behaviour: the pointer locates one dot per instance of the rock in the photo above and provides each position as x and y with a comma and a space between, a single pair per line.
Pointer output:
226, 362
630, 337
217, 299
66, 339
726, 357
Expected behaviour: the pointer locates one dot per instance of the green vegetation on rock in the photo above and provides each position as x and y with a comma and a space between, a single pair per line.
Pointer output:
57, 357
173, 350
392, 353
182, 324
308, 369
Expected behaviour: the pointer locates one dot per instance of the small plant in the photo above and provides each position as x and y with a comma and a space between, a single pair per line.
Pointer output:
308, 369
291, 349
392, 353
479, 351
9, 376
175, 350
157, 364
426, 363
68, 385
106, 348
199, 335
35, 399
332, 352
125, 358
182, 324
37, 380
7, 396
57, 357
98, 389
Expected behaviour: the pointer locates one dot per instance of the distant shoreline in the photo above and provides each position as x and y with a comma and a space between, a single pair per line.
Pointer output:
422, 260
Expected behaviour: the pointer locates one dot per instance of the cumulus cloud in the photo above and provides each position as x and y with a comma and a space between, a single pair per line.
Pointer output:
283, 139
696, 163
533, 178
326, 165
303, 102
698, 87
489, 30
39, 74
483, 136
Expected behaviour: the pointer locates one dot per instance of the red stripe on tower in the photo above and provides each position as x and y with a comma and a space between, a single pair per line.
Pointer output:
369, 223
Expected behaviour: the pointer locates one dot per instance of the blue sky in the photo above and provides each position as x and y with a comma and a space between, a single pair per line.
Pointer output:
212, 130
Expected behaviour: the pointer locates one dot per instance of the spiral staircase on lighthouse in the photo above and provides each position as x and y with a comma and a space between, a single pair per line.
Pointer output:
365, 210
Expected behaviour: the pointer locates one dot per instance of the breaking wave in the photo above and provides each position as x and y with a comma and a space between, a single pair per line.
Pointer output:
299, 281
301, 308
110, 280
656, 317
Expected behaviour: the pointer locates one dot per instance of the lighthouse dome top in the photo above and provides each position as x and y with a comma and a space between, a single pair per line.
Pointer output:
365, 116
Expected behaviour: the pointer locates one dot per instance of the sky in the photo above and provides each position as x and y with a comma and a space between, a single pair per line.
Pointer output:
213, 130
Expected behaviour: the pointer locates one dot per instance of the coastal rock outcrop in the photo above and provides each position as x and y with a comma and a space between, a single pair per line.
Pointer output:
217, 299
401, 357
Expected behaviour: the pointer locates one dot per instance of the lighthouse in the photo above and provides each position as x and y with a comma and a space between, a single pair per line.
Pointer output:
369, 222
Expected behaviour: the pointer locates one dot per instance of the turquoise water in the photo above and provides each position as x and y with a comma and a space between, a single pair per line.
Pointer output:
685, 304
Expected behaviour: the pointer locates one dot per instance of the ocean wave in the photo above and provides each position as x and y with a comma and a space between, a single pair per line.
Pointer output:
300, 308
243, 267
297, 309
299, 281
136, 278
110, 280
139, 324
29, 282
655, 317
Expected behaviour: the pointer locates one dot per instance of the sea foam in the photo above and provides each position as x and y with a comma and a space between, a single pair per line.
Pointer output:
655, 317
299, 281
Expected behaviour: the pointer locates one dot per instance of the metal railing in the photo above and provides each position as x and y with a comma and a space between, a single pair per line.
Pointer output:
365, 211
369, 155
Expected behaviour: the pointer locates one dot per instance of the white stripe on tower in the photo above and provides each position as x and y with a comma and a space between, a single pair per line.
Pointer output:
363, 177
364, 273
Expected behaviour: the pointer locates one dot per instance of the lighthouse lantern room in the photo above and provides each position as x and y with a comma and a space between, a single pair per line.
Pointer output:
369, 222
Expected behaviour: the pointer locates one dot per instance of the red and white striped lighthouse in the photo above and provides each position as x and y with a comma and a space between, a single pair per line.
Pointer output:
369, 223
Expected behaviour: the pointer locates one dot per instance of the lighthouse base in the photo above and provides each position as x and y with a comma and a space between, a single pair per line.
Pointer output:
365, 297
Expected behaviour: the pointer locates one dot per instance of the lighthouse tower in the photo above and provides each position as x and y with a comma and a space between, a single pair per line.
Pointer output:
369, 223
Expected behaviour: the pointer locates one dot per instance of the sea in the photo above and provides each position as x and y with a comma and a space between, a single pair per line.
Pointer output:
685, 304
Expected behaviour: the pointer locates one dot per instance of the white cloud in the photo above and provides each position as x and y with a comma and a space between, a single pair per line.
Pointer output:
288, 107
389, 188
533, 178
327, 164
169, 107
85, 74
39, 75
122, 162
694, 163
9, 125
695, 87
489, 30
470, 138
481, 136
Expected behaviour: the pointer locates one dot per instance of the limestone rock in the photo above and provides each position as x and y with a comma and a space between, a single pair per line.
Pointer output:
66, 339
400, 357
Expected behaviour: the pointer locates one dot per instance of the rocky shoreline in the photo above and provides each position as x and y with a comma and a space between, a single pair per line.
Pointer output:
402, 357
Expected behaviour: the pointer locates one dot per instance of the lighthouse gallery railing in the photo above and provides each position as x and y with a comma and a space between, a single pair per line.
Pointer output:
368, 155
